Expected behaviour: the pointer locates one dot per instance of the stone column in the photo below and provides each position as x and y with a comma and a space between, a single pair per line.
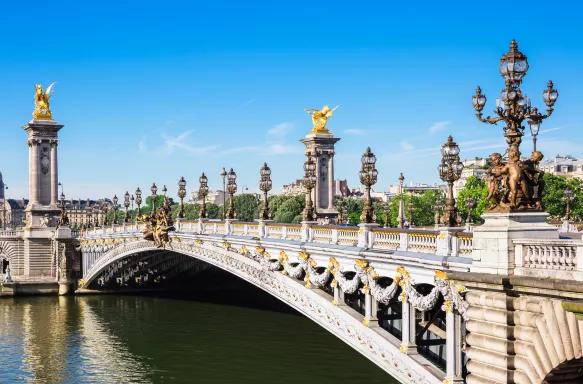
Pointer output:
408, 345
30, 157
336, 293
453, 345
367, 307
331, 180
34, 186
54, 174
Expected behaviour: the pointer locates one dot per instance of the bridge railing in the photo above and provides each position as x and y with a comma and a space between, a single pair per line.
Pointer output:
448, 243
550, 258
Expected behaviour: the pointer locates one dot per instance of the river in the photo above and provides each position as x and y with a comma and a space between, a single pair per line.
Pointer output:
239, 335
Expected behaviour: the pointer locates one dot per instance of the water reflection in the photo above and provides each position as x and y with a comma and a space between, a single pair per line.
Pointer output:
111, 339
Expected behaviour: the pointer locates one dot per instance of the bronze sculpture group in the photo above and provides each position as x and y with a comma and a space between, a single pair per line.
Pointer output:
158, 226
514, 184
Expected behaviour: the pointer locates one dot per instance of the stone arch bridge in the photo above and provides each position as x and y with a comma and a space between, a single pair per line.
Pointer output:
407, 300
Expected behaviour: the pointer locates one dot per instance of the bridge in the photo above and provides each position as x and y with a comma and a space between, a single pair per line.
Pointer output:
500, 304
408, 300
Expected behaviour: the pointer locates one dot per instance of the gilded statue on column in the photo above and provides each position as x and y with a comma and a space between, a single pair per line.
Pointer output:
42, 110
319, 118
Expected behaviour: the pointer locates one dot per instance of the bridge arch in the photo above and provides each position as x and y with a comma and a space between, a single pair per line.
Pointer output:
346, 324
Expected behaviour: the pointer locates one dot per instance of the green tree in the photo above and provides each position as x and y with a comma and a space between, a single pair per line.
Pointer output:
289, 210
477, 189
214, 211
554, 196
245, 207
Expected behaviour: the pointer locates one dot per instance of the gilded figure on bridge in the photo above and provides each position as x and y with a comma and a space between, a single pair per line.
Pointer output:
319, 118
42, 110
158, 226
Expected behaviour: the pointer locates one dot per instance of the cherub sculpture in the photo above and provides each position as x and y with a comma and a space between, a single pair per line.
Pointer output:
41, 102
319, 118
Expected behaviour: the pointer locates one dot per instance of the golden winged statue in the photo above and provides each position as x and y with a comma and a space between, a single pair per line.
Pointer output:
42, 109
319, 118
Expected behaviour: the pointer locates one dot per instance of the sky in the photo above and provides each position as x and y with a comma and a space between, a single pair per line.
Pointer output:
152, 91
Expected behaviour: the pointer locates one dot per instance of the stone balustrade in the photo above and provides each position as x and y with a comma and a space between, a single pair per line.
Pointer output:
382, 239
554, 258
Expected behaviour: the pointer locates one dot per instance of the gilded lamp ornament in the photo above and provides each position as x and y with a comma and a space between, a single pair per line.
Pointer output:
368, 177
450, 170
42, 110
309, 183
265, 185
515, 184
320, 117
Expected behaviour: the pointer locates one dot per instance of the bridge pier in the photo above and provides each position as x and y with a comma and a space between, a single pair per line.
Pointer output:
408, 325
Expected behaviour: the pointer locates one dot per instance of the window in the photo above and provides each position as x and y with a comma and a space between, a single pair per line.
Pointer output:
564, 168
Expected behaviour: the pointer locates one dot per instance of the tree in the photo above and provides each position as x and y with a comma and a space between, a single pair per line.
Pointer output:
477, 189
214, 211
245, 207
554, 196
288, 210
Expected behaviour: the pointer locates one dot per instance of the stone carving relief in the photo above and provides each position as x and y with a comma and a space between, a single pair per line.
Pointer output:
323, 168
45, 162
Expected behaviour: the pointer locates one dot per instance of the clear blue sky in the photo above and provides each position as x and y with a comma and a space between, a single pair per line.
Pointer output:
155, 91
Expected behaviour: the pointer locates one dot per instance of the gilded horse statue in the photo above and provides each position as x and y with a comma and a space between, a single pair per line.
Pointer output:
42, 108
319, 118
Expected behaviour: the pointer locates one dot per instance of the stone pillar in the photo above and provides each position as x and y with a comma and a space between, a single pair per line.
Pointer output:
321, 146
336, 293
263, 230
367, 307
307, 230
493, 248
365, 234
453, 345
408, 325
331, 181
54, 174
33, 172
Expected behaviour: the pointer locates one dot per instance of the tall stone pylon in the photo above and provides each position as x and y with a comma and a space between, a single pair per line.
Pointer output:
320, 143
44, 243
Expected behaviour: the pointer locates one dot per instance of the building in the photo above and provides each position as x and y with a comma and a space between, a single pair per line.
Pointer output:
12, 212
341, 188
567, 166
293, 189
415, 188
213, 197
87, 212
472, 167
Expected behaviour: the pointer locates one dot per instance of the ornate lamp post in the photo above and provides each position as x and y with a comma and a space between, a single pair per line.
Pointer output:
89, 213
469, 206
132, 200
164, 190
437, 209
411, 223
309, 183
568, 197
224, 175
450, 170
126, 204
401, 202
154, 191
368, 177
63, 219
115, 207
203, 191
513, 109
181, 194
105, 210
265, 186
232, 189
138, 202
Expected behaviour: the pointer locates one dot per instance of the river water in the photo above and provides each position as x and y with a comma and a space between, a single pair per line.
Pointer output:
236, 336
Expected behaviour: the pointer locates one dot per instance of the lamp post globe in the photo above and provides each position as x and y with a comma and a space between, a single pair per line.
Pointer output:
265, 185
368, 177
450, 170
181, 195
202, 193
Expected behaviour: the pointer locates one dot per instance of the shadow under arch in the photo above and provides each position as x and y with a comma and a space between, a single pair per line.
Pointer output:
375, 344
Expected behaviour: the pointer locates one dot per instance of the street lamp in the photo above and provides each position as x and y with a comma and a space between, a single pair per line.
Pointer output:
115, 207
126, 204
224, 174
203, 191
411, 212
232, 189
515, 106
309, 184
401, 202
138, 202
154, 191
265, 185
105, 210
437, 209
244, 189
63, 219
568, 197
164, 190
450, 170
132, 200
368, 177
89, 212
469, 206
181, 194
